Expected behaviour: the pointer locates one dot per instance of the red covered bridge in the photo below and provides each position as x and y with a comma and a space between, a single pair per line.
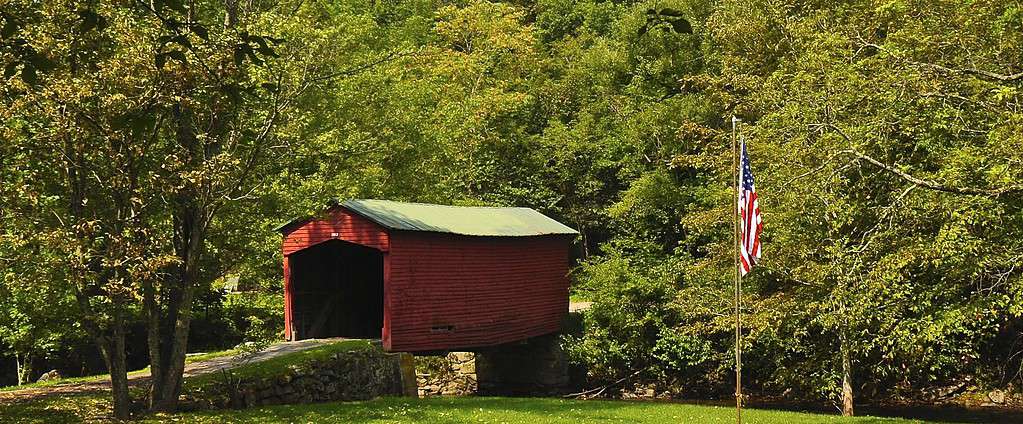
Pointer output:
425, 277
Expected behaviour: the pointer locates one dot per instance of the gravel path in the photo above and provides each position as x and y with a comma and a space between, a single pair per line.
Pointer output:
579, 306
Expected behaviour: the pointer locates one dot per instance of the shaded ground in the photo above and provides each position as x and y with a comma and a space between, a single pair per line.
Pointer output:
929, 413
135, 378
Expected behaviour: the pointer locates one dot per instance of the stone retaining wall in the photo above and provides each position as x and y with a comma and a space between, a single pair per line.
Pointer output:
451, 375
533, 367
353, 375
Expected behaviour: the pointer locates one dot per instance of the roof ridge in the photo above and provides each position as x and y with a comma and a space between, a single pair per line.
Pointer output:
464, 220
435, 204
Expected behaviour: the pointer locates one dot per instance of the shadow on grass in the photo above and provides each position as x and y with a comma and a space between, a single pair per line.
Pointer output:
67, 408
947, 414
929, 413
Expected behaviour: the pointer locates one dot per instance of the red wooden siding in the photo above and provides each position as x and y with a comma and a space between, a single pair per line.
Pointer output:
486, 290
339, 224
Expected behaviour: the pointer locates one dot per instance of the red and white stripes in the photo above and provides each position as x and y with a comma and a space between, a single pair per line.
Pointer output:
751, 223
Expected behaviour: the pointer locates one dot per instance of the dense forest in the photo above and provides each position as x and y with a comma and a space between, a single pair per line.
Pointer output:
150, 148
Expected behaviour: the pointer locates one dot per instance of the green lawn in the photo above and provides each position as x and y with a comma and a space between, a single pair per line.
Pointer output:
278, 365
100, 377
505, 410
68, 380
95, 406
63, 409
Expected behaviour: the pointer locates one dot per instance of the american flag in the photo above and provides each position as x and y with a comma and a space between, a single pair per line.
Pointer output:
751, 224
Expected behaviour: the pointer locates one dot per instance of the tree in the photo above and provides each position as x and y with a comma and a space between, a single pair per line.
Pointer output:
114, 151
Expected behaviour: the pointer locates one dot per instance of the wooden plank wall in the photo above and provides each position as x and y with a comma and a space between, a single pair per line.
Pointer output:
448, 292
338, 224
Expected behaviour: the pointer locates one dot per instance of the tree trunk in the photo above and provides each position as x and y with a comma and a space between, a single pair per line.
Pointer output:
847, 390
174, 343
119, 370
189, 237
152, 311
112, 348
24, 367
230, 13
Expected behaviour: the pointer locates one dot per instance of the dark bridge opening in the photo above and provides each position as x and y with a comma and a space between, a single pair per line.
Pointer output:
338, 291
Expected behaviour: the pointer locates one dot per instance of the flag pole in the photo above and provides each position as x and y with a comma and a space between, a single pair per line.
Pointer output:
737, 276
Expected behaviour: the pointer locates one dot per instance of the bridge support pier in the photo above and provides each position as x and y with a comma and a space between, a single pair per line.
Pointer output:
536, 366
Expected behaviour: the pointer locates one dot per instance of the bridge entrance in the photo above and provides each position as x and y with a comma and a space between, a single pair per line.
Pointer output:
338, 291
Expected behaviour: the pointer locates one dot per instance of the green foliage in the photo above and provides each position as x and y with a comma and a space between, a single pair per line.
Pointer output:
223, 321
886, 140
258, 316
909, 257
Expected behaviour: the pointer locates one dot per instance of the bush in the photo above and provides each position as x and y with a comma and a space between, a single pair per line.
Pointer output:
641, 322
235, 318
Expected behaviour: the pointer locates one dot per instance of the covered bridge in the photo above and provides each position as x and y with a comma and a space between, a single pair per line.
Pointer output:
425, 277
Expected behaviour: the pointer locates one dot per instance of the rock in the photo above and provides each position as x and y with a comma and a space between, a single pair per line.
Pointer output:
49, 376
248, 399
467, 368
996, 396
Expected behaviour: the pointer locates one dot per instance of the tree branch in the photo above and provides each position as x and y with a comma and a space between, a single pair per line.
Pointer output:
928, 184
966, 71
362, 67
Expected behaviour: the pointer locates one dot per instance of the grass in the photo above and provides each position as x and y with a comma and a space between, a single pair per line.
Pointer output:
580, 297
507, 410
70, 408
101, 377
210, 355
95, 406
71, 380
278, 365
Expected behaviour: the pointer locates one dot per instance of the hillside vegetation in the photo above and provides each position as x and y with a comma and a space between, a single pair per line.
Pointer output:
150, 148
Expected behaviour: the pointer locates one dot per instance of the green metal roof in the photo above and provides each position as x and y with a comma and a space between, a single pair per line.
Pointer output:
464, 220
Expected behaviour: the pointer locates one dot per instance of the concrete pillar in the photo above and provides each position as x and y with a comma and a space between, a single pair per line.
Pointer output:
407, 364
